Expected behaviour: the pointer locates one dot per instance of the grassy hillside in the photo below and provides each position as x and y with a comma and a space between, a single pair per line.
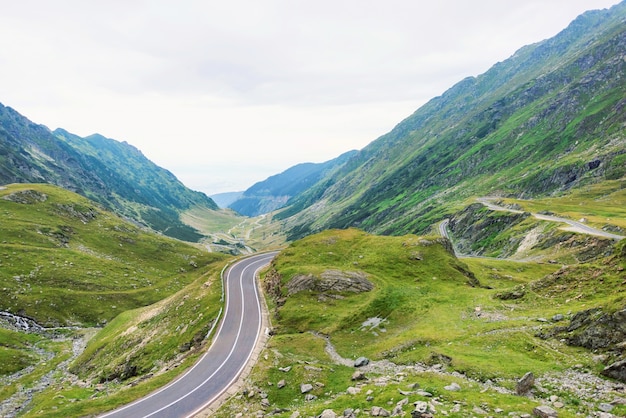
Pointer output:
66, 261
430, 319
546, 120
70, 265
114, 174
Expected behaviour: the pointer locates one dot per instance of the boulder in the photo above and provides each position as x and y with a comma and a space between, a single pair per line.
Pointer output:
525, 384
453, 387
361, 361
358, 375
330, 281
306, 387
328, 413
377, 411
544, 411
616, 370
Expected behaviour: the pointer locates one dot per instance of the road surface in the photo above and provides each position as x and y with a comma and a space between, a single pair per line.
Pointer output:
228, 355
574, 226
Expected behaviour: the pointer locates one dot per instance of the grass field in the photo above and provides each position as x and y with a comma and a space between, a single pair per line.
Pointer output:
429, 311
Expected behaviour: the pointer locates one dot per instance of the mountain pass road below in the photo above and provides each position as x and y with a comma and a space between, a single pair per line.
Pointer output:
227, 357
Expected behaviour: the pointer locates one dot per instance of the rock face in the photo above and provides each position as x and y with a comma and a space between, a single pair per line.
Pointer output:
361, 361
616, 370
599, 331
331, 281
525, 384
544, 412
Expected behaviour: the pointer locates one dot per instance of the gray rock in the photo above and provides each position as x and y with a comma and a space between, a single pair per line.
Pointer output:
284, 369
352, 390
331, 281
265, 402
605, 407
421, 406
309, 397
525, 384
544, 411
453, 387
281, 384
349, 413
377, 411
361, 361
328, 413
616, 370
306, 387
358, 375
558, 317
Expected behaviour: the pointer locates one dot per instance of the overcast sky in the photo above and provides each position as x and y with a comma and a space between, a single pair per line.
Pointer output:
226, 93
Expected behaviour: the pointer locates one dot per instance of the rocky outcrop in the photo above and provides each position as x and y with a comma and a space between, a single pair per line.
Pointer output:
601, 332
474, 227
330, 281
27, 197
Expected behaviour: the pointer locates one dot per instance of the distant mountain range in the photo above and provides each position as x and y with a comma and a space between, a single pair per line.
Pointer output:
550, 118
114, 174
276, 191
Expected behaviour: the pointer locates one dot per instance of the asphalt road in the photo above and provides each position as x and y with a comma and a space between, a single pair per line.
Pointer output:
228, 355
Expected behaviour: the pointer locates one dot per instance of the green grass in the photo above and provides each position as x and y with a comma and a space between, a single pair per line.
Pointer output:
65, 261
432, 315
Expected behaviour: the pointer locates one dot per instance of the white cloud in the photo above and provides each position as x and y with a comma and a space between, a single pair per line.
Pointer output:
201, 86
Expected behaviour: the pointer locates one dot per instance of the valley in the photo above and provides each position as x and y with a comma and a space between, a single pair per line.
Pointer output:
470, 262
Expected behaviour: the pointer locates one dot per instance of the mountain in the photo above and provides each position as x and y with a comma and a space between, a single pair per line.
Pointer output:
114, 174
274, 192
223, 200
548, 119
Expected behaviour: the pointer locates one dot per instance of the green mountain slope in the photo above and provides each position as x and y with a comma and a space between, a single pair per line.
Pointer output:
66, 261
114, 174
274, 192
548, 119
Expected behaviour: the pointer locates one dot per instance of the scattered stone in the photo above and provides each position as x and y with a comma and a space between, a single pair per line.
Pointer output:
402, 402
605, 407
281, 384
377, 411
554, 398
285, 369
525, 384
313, 368
558, 318
479, 411
453, 387
358, 375
424, 393
265, 403
309, 397
352, 390
422, 410
349, 413
616, 370
558, 404
306, 387
328, 413
361, 361
544, 411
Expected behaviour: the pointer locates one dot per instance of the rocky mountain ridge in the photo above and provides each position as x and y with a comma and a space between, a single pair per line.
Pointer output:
114, 174
550, 118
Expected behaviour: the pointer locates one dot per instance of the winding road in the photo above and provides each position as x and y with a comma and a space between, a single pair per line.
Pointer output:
573, 225
225, 360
